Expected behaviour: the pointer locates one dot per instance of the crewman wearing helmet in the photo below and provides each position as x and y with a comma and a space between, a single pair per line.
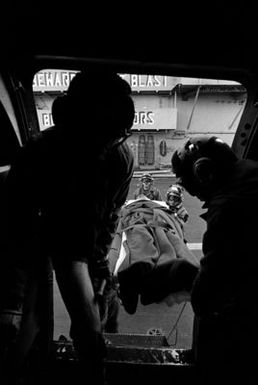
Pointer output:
174, 199
147, 188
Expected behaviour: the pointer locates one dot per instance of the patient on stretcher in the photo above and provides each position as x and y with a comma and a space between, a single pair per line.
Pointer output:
149, 256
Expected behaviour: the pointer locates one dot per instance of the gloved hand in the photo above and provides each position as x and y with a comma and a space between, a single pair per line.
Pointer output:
10, 323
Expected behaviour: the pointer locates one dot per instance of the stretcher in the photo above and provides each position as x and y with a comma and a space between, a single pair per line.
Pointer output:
149, 253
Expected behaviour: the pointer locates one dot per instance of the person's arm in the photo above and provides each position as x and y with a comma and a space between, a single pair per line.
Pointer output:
78, 295
121, 182
183, 214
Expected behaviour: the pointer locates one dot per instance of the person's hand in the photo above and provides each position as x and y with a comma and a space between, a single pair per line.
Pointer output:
177, 298
10, 323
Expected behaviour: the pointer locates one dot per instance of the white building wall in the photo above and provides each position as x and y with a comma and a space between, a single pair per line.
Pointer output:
216, 114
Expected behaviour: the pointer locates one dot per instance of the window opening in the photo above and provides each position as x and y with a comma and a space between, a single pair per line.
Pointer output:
168, 111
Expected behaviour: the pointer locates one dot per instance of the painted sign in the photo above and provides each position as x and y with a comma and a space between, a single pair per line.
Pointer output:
52, 80
45, 119
150, 82
144, 118
59, 80
155, 119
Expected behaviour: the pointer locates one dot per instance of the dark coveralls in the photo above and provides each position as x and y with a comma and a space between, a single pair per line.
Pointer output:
224, 295
62, 202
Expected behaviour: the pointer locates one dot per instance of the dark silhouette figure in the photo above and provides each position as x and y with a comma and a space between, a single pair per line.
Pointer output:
223, 295
69, 200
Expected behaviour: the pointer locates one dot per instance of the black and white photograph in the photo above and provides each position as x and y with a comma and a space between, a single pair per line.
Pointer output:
129, 194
